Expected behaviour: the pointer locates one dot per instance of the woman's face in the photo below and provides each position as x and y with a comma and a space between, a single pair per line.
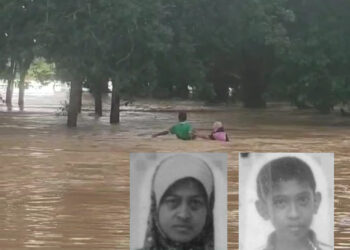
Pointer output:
183, 210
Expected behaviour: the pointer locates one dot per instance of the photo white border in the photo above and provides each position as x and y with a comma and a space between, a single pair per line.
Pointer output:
253, 230
142, 168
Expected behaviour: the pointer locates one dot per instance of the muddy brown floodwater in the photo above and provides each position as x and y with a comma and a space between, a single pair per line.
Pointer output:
69, 188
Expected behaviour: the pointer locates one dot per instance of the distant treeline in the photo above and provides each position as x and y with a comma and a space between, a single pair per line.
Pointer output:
249, 51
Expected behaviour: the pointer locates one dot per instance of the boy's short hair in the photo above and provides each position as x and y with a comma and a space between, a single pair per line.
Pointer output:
182, 116
283, 169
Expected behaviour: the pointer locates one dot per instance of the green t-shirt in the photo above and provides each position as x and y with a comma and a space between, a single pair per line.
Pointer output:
182, 130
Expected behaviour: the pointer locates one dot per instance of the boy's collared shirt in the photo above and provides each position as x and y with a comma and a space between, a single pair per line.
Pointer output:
314, 244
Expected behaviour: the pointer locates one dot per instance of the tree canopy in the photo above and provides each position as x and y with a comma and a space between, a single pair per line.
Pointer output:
291, 50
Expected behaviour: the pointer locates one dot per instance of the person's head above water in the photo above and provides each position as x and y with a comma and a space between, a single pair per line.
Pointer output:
217, 126
182, 116
287, 196
182, 203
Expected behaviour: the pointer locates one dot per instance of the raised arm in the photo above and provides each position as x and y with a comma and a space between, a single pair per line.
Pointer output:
161, 133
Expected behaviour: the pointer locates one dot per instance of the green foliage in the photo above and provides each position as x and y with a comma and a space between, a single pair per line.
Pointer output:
205, 92
41, 71
279, 49
20, 24
315, 67
341, 88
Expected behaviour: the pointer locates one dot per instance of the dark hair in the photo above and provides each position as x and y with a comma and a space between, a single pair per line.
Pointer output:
283, 169
182, 116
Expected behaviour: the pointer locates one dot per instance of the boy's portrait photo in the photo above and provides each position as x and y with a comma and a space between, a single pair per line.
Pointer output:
286, 201
178, 201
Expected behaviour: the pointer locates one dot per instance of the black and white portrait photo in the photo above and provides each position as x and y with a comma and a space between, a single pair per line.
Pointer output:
286, 201
178, 201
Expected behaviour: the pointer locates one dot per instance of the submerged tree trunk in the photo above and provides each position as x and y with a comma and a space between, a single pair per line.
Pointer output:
10, 81
98, 89
104, 87
80, 99
252, 93
74, 99
24, 64
253, 86
114, 117
21, 90
9, 92
98, 102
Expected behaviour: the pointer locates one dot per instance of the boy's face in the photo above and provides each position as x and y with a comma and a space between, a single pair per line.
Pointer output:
290, 206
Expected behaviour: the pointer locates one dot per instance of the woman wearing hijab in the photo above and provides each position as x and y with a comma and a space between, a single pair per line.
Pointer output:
182, 200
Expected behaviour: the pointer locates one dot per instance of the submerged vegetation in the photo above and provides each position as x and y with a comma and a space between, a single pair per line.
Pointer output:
225, 50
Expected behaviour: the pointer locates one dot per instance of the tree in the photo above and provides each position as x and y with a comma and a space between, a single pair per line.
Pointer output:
316, 66
9, 71
66, 38
20, 35
262, 36
97, 40
41, 71
135, 36
236, 43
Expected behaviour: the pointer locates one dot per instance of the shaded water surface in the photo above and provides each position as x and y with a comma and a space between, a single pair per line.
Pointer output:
69, 188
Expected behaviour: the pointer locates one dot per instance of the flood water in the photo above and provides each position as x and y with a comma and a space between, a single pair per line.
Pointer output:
66, 188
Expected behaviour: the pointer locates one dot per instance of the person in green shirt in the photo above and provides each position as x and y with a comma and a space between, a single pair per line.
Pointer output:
183, 129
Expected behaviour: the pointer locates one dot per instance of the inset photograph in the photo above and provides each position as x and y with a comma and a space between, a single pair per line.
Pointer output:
178, 201
286, 201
